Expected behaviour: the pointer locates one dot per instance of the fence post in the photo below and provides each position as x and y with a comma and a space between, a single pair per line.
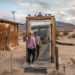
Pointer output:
56, 57
0, 52
11, 62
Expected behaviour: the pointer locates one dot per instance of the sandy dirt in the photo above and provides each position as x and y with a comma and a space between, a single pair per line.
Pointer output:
65, 53
18, 59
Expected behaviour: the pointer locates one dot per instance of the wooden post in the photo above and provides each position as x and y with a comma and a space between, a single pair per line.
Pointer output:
11, 62
52, 38
56, 57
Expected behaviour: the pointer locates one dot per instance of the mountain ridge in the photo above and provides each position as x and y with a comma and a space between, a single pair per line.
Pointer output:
59, 25
64, 26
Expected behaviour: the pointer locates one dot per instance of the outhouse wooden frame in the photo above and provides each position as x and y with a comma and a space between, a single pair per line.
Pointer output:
12, 34
53, 29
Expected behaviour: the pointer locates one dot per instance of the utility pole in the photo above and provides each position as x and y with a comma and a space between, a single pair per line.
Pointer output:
13, 12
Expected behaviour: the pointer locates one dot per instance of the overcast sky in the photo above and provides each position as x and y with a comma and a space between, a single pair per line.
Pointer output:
63, 10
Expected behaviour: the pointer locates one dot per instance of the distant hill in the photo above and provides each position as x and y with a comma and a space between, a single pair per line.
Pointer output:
64, 26
59, 26
22, 27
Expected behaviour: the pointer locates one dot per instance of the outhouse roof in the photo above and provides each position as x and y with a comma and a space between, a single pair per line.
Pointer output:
12, 22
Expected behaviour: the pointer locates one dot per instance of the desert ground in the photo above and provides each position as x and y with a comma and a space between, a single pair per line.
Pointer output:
19, 52
65, 54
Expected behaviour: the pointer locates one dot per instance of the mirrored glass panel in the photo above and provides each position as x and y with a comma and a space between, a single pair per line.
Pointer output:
43, 28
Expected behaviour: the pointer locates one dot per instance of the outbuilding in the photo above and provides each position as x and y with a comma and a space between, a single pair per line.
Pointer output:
8, 33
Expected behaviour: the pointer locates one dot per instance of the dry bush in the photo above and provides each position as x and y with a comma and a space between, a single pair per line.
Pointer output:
65, 33
57, 33
73, 36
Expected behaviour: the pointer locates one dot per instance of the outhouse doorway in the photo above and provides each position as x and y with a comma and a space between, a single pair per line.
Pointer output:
45, 26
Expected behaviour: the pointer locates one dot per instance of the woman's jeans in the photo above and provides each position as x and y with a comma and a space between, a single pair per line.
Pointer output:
31, 52
38, 48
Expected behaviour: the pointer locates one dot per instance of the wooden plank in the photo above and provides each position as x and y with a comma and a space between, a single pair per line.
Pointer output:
12, 36
53, 39
56, 55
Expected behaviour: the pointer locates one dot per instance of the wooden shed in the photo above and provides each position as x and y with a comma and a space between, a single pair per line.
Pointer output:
8, 33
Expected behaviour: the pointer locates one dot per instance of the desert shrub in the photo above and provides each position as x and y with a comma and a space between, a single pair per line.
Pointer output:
23, 38
65, 33
57, 33
73, 36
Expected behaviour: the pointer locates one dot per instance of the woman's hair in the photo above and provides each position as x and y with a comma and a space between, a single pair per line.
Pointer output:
30, 33
35, 33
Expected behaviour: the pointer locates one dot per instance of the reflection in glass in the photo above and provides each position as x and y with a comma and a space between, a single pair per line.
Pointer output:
43, 27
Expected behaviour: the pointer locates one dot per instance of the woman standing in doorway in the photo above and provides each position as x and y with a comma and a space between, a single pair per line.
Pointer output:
31, 47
